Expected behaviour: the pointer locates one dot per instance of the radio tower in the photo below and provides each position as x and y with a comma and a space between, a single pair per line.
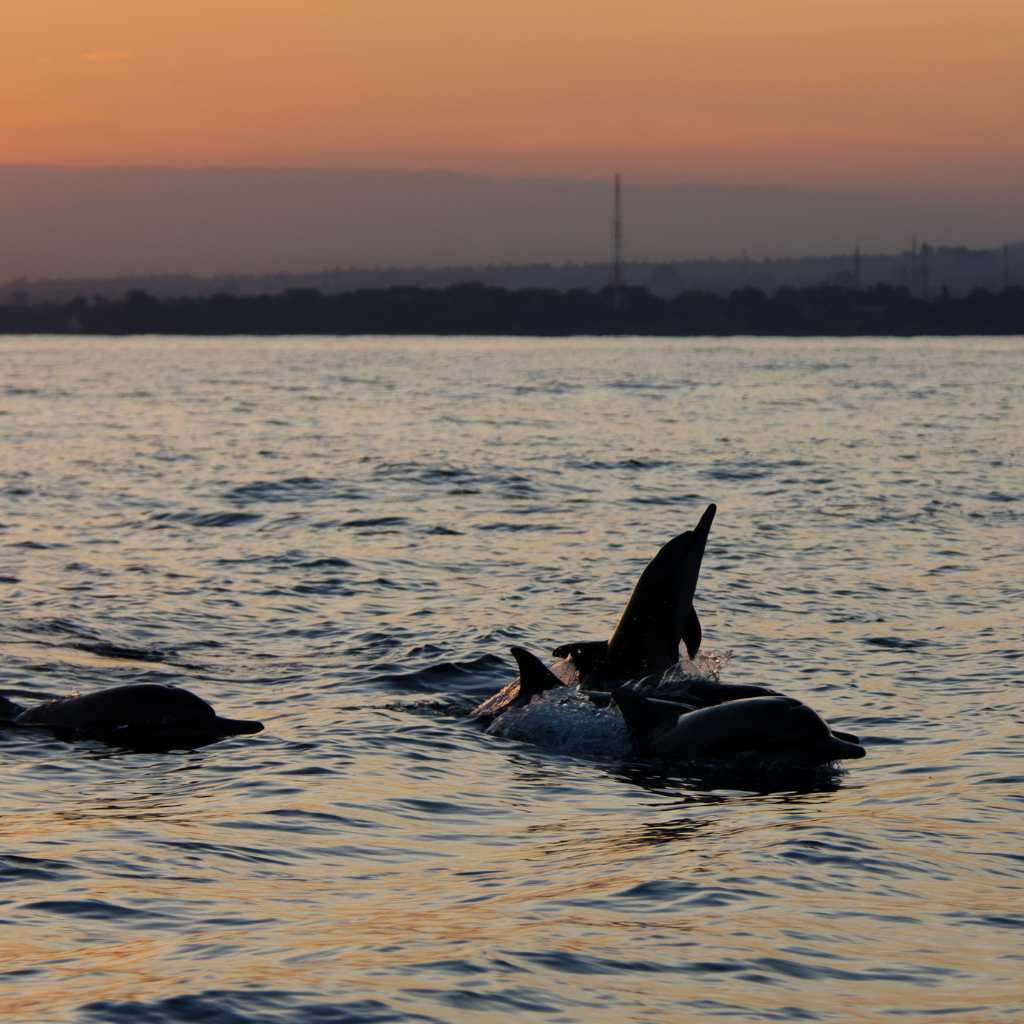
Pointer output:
616, 281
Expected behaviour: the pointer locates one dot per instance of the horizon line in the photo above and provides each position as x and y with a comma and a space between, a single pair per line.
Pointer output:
629, 181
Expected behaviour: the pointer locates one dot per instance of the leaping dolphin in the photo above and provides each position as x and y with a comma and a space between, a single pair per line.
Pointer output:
140, 716
658, 615
774, 727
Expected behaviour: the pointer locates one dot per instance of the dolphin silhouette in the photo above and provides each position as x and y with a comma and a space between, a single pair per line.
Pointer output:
773, 727
140, 716
658, 615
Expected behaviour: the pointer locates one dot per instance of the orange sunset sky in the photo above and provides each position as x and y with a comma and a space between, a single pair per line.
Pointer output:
904, 94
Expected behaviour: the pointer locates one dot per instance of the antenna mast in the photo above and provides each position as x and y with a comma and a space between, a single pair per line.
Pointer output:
616, 281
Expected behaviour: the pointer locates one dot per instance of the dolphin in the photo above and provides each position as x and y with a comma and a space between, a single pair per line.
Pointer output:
658, 615
140, 716
775, 727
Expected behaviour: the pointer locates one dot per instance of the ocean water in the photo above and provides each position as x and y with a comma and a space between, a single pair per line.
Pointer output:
342, 537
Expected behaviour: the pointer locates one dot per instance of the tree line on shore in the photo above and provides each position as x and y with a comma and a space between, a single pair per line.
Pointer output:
479, 309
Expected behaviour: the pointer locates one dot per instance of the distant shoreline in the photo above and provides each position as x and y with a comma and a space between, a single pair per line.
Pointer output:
473, 309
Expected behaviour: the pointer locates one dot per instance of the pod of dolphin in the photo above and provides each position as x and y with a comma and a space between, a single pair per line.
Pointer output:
716, 721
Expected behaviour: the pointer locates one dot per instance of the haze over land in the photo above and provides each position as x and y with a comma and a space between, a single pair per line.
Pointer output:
96, 222
180, 136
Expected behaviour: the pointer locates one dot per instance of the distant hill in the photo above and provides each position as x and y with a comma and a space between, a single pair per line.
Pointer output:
99, 223
956, 268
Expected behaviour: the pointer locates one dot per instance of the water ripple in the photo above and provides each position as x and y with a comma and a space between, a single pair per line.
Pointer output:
343, 537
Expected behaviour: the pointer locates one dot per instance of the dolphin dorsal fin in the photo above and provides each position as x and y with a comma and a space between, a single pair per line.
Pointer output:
534, 676
660, 612
9, 711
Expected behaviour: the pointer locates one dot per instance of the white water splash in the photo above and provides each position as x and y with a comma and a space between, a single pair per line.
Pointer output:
674, 683
563, 719
566, 721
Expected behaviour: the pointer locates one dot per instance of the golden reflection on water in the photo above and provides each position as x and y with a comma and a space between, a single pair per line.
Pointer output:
51, 654
363, 847
467, 896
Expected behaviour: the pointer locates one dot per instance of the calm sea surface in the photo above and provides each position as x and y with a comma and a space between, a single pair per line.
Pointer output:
343, 537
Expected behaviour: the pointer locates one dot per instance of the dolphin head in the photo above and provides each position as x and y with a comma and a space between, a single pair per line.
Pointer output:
802, 736
775, 727
168, 717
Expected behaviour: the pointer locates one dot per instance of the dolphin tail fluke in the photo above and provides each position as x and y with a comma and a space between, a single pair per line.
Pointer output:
534, 676
660, 611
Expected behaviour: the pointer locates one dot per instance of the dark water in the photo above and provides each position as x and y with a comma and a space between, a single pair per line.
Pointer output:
342, 538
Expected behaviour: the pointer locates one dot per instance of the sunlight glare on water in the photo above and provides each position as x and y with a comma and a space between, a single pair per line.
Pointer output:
343, 537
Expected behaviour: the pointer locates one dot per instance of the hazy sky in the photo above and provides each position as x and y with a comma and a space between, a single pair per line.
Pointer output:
905, 94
